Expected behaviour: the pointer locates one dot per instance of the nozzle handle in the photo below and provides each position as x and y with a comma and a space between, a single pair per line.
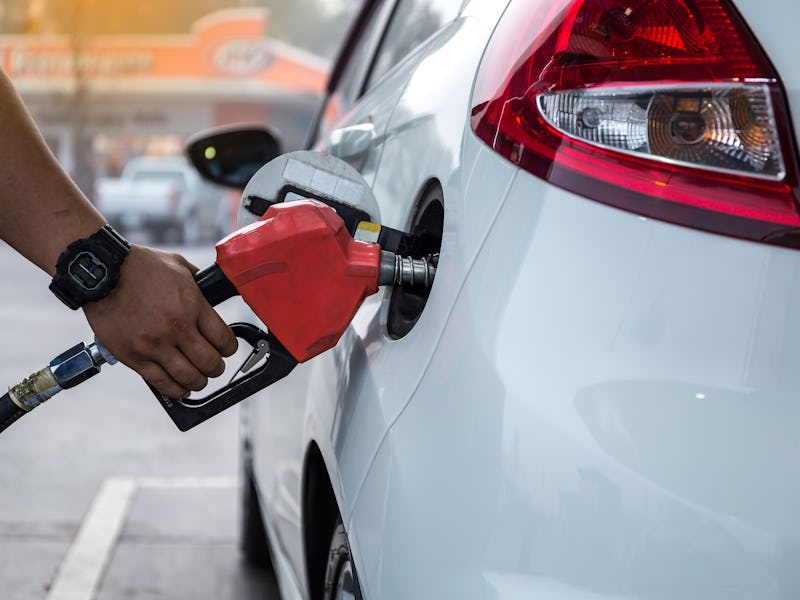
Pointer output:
188, 412
214, 285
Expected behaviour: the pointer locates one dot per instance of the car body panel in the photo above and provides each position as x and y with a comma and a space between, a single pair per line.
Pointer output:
375, 109
307, 401
593, 404
421, 145
332, 399
614, 434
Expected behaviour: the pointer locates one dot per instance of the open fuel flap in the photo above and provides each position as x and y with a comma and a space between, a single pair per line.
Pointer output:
425, 240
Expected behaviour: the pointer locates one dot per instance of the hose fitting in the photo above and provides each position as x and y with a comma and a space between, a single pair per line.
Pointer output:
35, 389
407, 271
66, 370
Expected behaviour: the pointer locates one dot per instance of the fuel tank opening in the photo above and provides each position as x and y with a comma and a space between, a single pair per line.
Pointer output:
407, 303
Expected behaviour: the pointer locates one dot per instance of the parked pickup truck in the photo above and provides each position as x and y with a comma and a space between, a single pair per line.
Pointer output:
166, 197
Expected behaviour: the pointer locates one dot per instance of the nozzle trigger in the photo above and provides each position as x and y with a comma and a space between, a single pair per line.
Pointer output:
186, 413
260, 351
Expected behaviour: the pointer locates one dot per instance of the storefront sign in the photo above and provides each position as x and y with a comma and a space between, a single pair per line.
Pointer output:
221, 45
58, 63
242, 57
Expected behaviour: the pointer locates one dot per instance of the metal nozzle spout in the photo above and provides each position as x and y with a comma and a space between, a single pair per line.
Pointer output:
406, 271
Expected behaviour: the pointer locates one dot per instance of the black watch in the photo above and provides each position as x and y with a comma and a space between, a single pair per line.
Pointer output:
89, 268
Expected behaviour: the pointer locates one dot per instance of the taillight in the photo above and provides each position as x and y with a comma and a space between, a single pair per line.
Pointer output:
667, 108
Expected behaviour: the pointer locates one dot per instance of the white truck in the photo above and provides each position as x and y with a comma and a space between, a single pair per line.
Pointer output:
166, 197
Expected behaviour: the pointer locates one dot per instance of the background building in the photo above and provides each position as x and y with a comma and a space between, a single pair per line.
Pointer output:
100, 99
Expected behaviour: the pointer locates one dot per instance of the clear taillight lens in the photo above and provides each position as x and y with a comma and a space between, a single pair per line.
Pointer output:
726, 128
667, 108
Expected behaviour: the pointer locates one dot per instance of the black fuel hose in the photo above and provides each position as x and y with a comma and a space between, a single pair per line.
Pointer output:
9, 411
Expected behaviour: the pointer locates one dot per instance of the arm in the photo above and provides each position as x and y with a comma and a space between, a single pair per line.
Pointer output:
155, 320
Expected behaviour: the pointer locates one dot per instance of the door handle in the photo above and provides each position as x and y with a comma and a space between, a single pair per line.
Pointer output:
352, 143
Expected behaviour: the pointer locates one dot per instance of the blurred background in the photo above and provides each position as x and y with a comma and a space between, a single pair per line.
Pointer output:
116, 88
109, 82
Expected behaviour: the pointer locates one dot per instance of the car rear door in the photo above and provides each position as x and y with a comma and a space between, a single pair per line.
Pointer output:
279, 415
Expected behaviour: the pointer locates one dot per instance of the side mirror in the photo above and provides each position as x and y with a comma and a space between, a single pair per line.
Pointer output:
231, 156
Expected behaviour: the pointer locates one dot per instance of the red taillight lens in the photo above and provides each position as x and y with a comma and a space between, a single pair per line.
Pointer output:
667, 108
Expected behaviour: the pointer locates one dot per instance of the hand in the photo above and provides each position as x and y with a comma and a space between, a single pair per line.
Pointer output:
157, 322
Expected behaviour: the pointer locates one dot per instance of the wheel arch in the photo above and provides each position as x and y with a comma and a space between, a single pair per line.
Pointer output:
320, 511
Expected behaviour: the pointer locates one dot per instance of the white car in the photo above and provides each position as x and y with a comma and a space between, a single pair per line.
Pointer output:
600, 397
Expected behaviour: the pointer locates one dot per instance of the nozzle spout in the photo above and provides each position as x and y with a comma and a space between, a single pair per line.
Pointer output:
406, 271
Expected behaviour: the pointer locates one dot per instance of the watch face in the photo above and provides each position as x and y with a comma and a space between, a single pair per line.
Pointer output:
87, 270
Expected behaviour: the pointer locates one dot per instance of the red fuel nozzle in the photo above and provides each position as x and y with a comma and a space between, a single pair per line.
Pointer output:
302, 274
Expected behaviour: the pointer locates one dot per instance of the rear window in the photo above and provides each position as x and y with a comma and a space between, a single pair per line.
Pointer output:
413, 22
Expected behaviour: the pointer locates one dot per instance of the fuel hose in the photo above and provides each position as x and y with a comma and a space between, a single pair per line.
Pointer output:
27, 395
9, 412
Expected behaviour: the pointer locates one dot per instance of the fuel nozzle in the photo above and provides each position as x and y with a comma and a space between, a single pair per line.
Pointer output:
407, 271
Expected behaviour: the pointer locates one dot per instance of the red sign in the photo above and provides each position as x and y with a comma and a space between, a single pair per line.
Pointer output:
223, 45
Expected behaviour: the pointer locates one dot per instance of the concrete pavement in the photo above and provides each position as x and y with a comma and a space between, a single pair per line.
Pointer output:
177, 519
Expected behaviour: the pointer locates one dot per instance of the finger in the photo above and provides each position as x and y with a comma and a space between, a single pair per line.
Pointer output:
218, 334
182, 370
153, 374
202, 355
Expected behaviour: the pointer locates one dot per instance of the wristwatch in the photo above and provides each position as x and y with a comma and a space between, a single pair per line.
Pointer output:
89, 268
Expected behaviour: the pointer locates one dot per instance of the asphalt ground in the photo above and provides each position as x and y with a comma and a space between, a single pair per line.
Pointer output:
101, 497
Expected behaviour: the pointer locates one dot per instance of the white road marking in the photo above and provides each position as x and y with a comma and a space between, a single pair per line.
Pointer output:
187, 482
81, 571
86, 560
